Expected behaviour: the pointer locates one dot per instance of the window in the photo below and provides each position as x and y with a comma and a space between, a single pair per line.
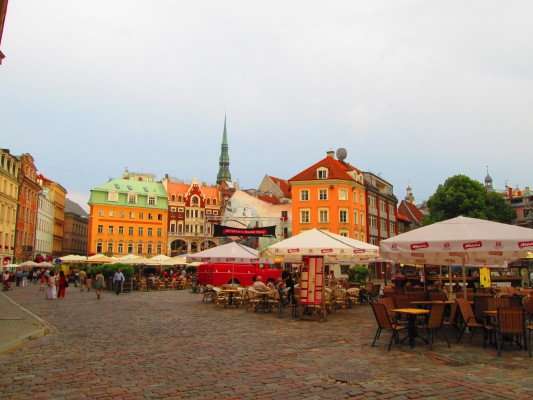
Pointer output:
100, 229
355, 219
149, 248
100, 213
355, 197
373, 240
122, 214
121, 230
130, 248
111, 229
151, 200
344, 234
383, 224
132, 198
373, 221
304, 216
140, 231
132, 215
130, 231
141, 215
322, 173
159, 231
139, 248
343, 194
150, 216
110, 247
323, 216
111, 213
372, 201
112, 195
343, 216
392, 226
194, 200
159, 249
391, 209
304, 195
362, 219
150, 231
382, 205
120, 248
99, 247
361, 199
322, 194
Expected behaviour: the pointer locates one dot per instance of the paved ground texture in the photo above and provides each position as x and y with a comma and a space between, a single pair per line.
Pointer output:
158, 345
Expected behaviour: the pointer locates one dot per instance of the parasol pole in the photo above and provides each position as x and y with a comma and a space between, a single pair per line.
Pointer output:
464, 274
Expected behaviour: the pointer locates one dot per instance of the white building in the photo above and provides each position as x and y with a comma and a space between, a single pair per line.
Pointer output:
44, 235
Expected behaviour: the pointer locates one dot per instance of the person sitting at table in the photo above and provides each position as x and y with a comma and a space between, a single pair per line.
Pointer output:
259, 285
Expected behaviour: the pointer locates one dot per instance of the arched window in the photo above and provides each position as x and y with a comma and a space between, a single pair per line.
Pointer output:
195, 200
173, 197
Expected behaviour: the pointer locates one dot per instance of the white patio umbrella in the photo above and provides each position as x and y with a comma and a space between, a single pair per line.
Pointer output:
460, 241
72, 258
29, 264
227, 253
160, 257
128, 257
321, 243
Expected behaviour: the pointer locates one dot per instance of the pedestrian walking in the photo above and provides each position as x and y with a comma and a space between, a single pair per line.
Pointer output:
62, 284
43, 282
117, 280
50, 292
24, 278
99, 284
82, 276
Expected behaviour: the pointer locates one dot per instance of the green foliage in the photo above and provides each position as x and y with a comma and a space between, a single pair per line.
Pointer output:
461, 195
358, 274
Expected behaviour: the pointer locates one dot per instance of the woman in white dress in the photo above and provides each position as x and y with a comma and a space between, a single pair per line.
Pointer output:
50, 291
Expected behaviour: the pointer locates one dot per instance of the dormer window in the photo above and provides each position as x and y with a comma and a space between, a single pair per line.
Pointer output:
112, 195
151, 200
132, 198
322, 173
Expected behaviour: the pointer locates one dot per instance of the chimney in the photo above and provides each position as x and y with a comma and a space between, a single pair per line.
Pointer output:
331, 154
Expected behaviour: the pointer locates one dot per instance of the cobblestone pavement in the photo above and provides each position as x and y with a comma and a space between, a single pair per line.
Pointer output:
157, 345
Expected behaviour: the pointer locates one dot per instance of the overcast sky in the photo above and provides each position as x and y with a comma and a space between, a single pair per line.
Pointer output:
416, 91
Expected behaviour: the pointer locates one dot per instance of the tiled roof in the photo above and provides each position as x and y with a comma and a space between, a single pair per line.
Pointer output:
130, 185
284, 186
411, 212
337, 170
182, 188
74, 208
402, 217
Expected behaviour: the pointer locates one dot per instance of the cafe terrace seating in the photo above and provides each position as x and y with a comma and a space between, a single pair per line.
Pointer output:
433, 323
384, 323
511, 326
469, 321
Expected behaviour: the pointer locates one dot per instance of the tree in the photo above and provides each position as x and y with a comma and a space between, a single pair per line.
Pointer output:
461, 195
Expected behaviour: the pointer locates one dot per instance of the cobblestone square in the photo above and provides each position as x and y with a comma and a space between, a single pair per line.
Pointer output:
170, 344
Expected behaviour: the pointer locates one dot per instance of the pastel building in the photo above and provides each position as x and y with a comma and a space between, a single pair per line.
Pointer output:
193, 208
44, 233
330, 195
9, 185
128, 216
58, 196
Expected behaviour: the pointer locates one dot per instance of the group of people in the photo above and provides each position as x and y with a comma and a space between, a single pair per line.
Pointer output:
54, 284
286, 281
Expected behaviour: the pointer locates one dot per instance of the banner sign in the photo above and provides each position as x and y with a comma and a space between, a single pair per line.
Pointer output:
221, 230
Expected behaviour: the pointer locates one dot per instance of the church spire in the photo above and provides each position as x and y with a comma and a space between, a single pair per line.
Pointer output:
223, 171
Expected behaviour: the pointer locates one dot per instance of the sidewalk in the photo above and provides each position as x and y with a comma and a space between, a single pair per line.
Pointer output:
18, 325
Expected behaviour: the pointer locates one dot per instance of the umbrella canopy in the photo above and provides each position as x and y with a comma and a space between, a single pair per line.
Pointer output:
321, 243
128, 257
73, 258
160, 257
227, 253
141, 260
100, 258
29, 264
173, 261
460, 241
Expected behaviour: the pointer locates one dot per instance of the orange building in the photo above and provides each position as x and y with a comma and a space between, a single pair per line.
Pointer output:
128, 216
330, 195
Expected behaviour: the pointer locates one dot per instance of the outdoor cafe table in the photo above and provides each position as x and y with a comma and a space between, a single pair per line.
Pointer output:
412, 313
230, 293
264, 304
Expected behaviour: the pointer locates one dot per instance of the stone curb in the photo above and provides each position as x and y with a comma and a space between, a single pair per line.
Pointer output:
25, 337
